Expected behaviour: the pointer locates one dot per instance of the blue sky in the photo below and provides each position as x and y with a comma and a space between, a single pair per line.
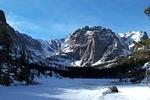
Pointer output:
51, 19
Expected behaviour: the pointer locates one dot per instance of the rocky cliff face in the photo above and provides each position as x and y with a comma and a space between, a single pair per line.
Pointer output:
2, 17
95, 45
91, 44
85, 47
36, 50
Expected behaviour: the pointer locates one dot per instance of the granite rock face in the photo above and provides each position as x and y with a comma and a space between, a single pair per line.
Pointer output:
91, 44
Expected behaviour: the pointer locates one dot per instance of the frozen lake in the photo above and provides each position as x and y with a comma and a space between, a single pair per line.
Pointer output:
75, 89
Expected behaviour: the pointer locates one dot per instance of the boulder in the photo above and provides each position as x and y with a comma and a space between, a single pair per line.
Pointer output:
113, 89
109, 90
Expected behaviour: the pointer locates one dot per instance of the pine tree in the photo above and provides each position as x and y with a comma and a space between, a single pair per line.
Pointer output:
147, 11
24, 70
5, 59
5, 43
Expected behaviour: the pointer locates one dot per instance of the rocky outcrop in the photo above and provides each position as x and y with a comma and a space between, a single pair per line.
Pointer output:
2, 17
95, 45
91, 44
36, 50
112, 89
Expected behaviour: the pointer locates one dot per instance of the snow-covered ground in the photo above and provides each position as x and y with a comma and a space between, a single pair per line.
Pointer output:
74, 89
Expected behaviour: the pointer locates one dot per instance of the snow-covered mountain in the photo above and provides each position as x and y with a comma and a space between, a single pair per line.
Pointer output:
95, 45
91, 44
132, 37
88, 52
85, 47
36, 50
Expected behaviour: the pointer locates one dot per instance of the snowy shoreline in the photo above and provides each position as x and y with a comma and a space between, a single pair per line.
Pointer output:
75, 89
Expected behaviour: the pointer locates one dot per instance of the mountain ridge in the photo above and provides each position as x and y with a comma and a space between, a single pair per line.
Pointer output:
88, 52
85, 46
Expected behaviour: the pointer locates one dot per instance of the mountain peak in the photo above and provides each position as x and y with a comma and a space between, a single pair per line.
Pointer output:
2, 17
136, 35
90, 44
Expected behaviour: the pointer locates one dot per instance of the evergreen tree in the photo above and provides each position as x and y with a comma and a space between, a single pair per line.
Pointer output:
5, 43
5, 51
147, 11
24, 71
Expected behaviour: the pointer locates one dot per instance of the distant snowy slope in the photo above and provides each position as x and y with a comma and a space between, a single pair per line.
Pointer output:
134, 36
38, 50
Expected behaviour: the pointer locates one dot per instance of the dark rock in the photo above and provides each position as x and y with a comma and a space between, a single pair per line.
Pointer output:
2, 17
113, 89
145, 36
